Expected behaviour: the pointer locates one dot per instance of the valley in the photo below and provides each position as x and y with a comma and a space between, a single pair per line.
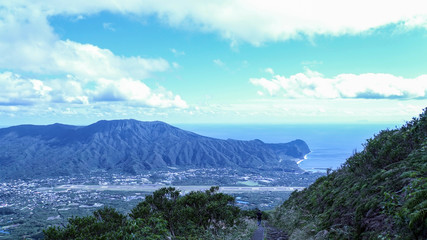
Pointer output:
53, 172
30, 205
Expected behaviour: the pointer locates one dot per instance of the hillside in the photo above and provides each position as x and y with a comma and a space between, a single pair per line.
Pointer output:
129, 147
379, 193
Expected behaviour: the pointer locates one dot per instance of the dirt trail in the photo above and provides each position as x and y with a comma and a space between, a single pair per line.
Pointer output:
271, 233
258, 234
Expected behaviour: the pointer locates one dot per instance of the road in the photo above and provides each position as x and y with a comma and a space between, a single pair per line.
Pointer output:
154, 187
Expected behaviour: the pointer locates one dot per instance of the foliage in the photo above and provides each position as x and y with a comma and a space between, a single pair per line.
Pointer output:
252, 214
191, 214
379, 193
107, 223
164, 213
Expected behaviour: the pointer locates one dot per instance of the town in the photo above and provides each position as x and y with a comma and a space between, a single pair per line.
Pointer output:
27, 206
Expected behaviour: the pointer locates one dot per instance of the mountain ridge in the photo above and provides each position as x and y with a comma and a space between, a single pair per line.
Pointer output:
130, 146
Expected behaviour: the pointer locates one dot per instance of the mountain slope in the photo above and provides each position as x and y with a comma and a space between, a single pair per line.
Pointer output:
379, 193
130, 146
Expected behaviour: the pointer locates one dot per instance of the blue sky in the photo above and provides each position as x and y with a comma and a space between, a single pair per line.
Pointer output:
212, 61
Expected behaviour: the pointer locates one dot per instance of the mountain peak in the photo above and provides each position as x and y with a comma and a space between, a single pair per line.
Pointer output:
128, 123
131, 146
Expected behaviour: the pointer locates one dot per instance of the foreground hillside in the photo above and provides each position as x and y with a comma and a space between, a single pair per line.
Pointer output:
129, 147
379, 193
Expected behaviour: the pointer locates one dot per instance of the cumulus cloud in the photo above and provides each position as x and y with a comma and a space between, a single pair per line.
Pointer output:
313, 84
135, 92
17, 90
90, 61
256, 21
29, 45
279, 110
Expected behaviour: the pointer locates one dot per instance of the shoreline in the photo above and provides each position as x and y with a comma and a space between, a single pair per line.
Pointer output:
313, 169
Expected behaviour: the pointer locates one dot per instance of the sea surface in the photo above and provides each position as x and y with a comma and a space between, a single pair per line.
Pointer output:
330, 145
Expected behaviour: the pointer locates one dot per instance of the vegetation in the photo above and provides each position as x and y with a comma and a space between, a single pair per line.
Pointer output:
164, 214
379, 193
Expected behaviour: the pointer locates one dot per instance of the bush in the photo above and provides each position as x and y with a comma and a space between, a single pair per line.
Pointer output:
379, 193
164, 213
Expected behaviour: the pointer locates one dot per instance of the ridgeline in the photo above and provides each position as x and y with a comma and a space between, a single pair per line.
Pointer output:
379, 193
132, 147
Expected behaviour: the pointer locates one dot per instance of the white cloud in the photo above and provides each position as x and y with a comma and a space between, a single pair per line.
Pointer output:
269, 70
136, 92
18, 91
271, 86
256, 21
177, 53
370, 85
23, 91
89, 61
175, 65
218, 62
69, 90
108, 26
276, 110
28, 45
83, 60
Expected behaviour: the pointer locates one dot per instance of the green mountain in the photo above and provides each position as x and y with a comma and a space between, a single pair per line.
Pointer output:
131, 147
379, 193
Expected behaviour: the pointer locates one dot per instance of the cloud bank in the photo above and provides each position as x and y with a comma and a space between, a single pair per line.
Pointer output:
17, 91
84, 73
80, 74
254, 21
368, 86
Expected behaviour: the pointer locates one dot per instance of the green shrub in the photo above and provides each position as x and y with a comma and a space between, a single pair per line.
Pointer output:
379, 193
164, 213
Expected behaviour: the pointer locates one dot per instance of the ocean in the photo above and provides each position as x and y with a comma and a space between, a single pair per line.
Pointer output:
330, 145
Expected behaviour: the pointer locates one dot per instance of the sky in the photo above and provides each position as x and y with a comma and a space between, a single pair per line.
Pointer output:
226, 61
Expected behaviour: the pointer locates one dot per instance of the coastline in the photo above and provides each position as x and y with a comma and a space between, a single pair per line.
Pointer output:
313, 169
302, 159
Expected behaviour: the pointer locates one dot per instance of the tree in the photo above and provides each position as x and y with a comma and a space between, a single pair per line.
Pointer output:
164, 213
107, 223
